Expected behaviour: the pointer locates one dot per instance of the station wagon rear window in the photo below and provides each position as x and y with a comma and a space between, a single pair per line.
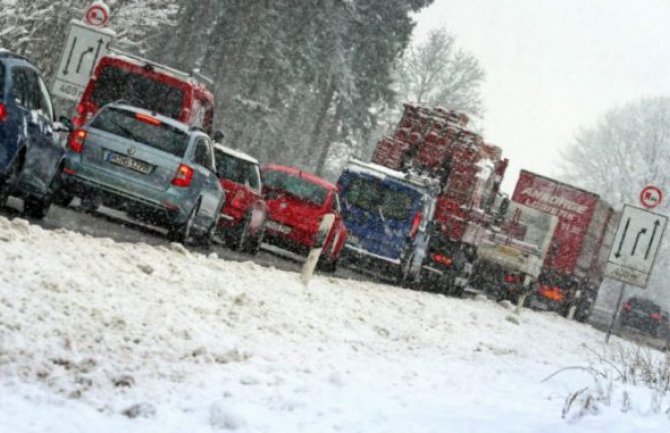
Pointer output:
370, 195
295, 186
124, 124
114, 84
237, 170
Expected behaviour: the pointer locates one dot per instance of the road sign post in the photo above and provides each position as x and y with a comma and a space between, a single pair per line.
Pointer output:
84, 46
634, 250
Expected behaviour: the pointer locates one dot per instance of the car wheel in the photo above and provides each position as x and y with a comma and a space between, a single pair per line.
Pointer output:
326, 263
35, 207
254, 244
243, 235
182, 232
207, 238
7, 183
38, 207
90, 204
62, 198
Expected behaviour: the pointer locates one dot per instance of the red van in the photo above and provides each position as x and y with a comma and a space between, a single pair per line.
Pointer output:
243, 215
147, 85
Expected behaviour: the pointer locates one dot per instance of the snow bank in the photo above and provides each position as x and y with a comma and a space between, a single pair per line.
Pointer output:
103, 336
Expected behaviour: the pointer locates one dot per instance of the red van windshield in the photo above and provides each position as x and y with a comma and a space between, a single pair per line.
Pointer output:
114, 84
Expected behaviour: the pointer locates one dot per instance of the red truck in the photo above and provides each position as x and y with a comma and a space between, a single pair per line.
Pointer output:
435, 143
551, 237
147, 84
574, 264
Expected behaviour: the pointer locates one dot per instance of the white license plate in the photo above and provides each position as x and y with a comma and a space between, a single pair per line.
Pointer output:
272, 225
127, 162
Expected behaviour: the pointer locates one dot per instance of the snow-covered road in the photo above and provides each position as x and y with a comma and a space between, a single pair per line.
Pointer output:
97, 335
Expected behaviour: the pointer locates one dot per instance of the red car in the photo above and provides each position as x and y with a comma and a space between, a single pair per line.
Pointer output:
244, 212
297, 201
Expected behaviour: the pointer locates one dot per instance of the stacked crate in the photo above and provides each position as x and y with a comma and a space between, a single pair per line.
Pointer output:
436, 142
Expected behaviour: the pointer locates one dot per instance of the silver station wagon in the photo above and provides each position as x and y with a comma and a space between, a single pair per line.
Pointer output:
155, 168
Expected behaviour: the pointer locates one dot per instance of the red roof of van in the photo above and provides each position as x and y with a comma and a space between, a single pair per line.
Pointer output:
295, 171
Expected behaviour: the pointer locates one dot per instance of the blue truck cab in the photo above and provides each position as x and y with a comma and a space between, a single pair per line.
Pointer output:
388, 214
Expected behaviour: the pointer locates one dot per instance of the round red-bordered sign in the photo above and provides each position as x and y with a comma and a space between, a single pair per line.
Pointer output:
651, 196
97, 15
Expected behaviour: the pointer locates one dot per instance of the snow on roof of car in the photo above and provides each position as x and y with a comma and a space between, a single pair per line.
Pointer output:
235, 153
376, 170
157, 67
164, 119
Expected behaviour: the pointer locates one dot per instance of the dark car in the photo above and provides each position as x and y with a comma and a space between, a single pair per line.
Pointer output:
29, 156
644, 316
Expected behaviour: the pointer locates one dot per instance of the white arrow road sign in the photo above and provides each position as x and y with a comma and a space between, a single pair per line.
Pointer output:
635, 246
84, 46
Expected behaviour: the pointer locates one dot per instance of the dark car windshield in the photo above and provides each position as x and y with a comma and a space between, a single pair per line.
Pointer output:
114, 84
237, 170
295, 186
127, 125
373, 196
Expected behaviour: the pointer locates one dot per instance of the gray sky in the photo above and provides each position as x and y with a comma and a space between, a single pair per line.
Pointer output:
554, 66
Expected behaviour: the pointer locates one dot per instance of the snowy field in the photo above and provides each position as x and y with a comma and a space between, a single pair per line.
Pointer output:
99, 336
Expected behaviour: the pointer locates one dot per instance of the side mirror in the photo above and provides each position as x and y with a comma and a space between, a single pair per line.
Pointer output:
218, 136
63, 124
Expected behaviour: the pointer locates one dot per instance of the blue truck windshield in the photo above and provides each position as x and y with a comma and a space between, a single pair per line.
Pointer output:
373, 196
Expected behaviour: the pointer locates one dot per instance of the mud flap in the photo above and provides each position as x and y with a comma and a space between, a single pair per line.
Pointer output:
314, 254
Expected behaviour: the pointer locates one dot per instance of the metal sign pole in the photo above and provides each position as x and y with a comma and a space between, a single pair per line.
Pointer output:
615, 313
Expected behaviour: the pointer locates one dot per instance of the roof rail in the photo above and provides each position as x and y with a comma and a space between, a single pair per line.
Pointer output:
13, 55
195, 74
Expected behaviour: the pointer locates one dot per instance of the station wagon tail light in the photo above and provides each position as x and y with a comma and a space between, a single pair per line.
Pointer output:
656, 316
84, 112
3, 113
416, 222
183, 177
147, 119
442, 259
627, 306
76, 140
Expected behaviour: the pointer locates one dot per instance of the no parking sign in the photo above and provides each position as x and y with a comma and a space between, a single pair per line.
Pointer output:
651, 196
97, 15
